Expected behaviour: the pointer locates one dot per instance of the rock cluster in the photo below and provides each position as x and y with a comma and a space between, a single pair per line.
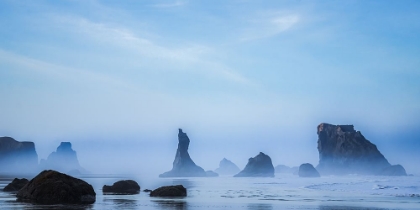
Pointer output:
52, 187
183, 165
258, 166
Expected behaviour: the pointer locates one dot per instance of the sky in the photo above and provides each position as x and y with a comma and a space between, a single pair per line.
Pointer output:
239, 77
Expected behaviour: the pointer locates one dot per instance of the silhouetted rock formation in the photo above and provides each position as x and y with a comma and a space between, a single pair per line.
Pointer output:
343, 150
15, 185
169, 191
259, 166
227, 167
308, 170
52, 187
64, 160
394, 170
122, 187
17, 157
183, 165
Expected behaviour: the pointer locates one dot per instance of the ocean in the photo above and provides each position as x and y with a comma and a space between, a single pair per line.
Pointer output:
281, 192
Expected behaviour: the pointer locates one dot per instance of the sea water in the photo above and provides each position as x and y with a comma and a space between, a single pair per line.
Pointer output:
281, 192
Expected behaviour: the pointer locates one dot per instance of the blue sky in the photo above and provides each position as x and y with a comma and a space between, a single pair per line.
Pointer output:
262, 74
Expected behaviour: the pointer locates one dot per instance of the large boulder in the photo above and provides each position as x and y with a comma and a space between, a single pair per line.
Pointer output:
227, 167
307, 170
122, 187
343, 150
17, 157
15, 185
183, 165
64, 159
258, 166
169, 191
52, 187
394, 170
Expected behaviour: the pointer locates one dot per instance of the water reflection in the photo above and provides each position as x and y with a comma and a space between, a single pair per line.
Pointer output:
122, 203
171, 204
258, 206
349, 208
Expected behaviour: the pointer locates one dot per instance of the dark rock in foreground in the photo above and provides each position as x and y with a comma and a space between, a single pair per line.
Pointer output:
183, 165
211, 174
17, 157
308, 170
227, 167
15, 185
122, 187
343, 150
169, 191
52, 187
394, 170
258, 166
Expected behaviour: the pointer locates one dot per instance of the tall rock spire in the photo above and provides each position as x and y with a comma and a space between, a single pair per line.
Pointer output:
183, 165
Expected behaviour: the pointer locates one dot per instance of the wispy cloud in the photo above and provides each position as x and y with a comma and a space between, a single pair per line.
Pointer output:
269, 26
191, 56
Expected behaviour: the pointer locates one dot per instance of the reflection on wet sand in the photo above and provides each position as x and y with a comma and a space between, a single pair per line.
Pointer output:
124, 203
171, 204
257, 206
349, 208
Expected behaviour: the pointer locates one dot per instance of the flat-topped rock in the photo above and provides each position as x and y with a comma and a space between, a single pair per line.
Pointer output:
343, 150
17, 157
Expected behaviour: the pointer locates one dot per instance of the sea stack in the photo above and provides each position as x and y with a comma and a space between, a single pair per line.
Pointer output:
64, 159
227, 167
258, 166
183, 165
343, 150
17, 157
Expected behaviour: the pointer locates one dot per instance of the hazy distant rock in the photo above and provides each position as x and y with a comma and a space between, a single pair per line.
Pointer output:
258, 166
342, 150
394, 170
183, 165
15, 185
169, 191
283, 169
227, 167
64, 160
52, 187
308, 170
211, 174
17, 157
122, 187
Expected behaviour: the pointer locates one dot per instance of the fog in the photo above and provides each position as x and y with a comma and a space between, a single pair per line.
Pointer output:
239, 78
